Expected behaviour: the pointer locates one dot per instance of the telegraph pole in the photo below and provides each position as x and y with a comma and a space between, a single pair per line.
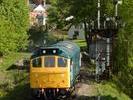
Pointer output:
97, 52
98, 13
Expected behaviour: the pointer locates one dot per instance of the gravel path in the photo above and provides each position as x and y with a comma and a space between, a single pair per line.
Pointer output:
86, 89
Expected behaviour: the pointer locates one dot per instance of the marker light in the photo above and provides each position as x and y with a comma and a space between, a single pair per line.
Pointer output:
44, 51
54, 51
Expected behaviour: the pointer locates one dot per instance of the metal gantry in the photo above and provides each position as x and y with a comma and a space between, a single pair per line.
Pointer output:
102, 41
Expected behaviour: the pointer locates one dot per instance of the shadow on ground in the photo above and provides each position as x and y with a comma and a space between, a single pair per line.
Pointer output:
20, 92
25, 66
96, 98
12, 67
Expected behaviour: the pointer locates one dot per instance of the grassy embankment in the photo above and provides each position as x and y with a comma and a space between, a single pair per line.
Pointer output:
14, 83
110, 91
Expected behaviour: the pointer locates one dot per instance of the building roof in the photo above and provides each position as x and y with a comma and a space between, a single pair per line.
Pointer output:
39, 8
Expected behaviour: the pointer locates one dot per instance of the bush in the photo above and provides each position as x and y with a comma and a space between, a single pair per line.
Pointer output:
13, 25
123, 50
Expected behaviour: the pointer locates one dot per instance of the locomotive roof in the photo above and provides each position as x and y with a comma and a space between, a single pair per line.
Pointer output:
66, 49
69, 48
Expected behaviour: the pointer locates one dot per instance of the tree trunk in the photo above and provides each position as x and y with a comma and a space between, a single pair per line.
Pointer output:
86, 35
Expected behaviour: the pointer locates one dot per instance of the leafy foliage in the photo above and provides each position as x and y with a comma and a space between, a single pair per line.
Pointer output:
38, 35
83, 10
123, 53
80, 9
13, 25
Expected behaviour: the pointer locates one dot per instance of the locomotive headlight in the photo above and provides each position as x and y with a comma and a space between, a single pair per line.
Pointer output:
44, 51
54, 51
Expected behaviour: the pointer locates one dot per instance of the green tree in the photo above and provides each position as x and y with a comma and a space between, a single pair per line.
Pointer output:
13, 25
84, 11
123, 51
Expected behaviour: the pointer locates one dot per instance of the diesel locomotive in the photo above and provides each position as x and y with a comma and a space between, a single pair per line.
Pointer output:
54, 70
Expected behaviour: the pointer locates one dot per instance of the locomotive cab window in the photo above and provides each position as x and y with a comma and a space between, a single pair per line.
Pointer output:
49, 61
62, 62
36, 62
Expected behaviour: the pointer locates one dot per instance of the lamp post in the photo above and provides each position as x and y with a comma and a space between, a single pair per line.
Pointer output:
97, 55
98, 13
116, 3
